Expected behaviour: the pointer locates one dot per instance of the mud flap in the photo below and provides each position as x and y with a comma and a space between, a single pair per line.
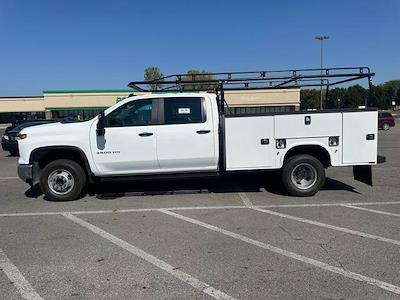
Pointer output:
363, 174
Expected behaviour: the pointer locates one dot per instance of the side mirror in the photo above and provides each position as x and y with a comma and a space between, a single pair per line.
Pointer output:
100, 131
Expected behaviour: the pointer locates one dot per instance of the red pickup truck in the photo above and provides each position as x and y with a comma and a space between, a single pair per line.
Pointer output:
385, 120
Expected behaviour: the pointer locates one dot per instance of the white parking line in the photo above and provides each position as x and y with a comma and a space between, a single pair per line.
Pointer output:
194, 282
245, 199
324, 225
8, 178
373, 210
372, 281
328, 204
15, 276
108, 211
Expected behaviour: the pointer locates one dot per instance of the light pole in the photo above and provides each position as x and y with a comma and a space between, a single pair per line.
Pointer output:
321, 38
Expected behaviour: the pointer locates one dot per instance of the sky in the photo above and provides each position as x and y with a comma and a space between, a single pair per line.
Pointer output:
59, 45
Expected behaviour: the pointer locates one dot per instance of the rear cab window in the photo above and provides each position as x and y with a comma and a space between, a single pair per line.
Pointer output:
183, 110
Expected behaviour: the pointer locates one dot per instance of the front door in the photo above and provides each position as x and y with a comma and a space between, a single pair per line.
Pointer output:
129, 143
186, 137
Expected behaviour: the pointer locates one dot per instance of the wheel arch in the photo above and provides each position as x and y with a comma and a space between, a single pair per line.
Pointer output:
40, 157
317, 150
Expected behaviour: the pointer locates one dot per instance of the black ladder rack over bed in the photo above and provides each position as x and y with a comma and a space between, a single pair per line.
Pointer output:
251, 80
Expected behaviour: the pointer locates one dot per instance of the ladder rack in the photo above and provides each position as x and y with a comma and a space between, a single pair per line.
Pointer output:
251, 80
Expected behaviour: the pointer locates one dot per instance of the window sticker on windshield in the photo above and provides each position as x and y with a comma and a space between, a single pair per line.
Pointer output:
183, 111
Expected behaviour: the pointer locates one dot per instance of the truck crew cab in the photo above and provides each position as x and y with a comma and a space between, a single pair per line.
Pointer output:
190, 134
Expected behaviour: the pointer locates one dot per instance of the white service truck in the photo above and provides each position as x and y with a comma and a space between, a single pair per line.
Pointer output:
186, 135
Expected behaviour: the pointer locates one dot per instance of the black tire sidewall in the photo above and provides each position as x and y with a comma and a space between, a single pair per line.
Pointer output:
291, 163
76, 171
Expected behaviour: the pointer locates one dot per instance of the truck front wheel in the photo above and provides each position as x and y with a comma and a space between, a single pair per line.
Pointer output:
62, 180
303, 175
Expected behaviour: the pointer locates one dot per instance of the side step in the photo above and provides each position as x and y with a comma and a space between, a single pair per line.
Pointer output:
161, 176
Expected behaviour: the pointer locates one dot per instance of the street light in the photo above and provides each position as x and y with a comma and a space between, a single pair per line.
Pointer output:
321, 38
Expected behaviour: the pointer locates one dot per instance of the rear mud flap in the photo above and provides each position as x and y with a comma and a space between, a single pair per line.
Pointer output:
363, 174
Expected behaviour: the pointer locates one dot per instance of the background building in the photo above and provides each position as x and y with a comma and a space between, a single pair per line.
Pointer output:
82, 105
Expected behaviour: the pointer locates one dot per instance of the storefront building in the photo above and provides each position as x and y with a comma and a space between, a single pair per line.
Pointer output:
80, 105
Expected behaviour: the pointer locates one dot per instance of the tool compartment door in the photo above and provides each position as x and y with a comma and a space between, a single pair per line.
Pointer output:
249, 143
360, 137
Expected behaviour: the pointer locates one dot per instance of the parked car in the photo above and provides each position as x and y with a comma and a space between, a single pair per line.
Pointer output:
9, 141
385, 120
20, 122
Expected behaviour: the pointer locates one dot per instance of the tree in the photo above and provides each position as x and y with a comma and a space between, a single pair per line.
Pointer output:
309, 99
390, 96
355, 96
153, 73
336, 98
196, 75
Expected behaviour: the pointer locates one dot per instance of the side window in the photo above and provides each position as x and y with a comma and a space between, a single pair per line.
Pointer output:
134, 113
183, 110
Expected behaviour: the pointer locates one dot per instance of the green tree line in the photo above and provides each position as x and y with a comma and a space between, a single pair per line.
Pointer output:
351, 97
154, 73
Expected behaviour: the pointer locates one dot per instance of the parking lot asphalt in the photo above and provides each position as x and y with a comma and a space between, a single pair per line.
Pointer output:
236, 238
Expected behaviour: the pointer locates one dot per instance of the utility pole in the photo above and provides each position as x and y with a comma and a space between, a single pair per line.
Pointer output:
321, 38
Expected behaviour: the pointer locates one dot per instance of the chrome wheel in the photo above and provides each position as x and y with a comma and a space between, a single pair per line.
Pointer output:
60, 181
304, 176
386, 126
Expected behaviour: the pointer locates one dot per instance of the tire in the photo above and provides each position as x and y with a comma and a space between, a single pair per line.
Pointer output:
303, 175
385, 126
62, 180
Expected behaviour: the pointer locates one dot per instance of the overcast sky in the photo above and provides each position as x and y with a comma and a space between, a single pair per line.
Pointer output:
48, 45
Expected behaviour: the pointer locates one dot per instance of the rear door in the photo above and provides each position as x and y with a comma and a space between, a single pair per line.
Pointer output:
186, 136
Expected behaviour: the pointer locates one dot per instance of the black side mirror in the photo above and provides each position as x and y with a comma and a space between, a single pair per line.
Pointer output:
100, 131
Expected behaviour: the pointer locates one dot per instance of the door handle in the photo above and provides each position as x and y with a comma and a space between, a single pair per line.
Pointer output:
145, 134
203, 131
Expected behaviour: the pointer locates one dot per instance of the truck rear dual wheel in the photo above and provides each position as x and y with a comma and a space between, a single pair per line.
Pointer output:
63, 180
303, 175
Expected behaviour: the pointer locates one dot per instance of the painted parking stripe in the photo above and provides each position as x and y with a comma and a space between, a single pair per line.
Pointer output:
327, 204
247, 202
369, 280
194, 282
18, 280
8, 178
324, 225
108, 211
373, 210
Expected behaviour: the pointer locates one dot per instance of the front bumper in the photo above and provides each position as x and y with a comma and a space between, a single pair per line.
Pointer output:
8, 145
25, 172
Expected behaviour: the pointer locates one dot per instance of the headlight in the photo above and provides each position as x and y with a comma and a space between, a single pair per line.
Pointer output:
333, 141
6, 137
22, 136
280, 144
